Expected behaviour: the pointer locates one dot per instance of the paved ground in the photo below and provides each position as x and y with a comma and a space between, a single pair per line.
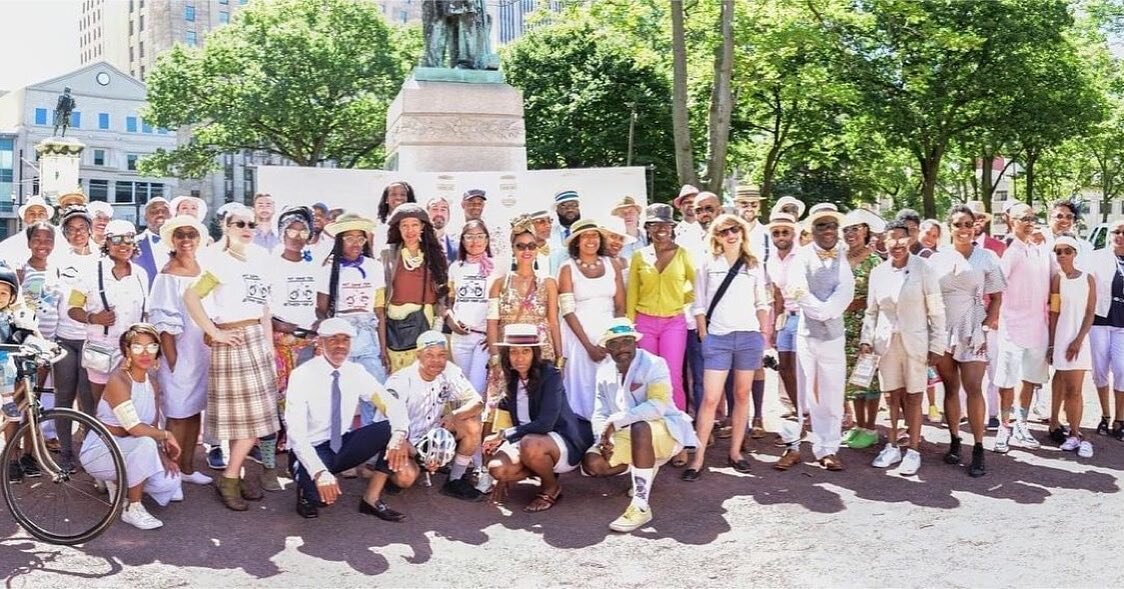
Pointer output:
1037, 519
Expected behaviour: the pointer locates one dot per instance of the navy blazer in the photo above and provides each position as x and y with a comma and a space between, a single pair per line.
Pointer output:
550, 412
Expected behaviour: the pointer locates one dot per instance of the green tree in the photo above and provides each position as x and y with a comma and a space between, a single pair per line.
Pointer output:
309, 80
583, 87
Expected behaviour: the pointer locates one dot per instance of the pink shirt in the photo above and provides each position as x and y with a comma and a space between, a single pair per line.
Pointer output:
776, 268
1024, 315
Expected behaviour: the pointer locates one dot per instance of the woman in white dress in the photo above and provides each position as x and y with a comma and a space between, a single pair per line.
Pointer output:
590, 294
128, 410
183, 373
1073, 302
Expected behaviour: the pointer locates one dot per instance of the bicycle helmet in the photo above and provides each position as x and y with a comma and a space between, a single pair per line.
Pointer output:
8, 276
438, 447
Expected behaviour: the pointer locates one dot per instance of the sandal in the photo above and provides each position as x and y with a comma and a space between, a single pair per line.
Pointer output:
543, 502
1102, 427
690, 475
741, 464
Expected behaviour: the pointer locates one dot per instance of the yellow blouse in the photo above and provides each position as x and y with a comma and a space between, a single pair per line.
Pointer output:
659, 294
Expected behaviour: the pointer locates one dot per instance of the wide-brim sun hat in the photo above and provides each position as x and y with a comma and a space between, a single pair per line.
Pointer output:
659, 213
521, 335
619, 327
36, 201
786, 201
350, 222
120, 227
615, 226
100, 207
863, 217
177, 222
823, 211
581, 226
200, 203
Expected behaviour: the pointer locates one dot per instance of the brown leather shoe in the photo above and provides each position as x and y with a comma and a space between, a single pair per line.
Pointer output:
250, 488
229, 494
832, 463
791, 458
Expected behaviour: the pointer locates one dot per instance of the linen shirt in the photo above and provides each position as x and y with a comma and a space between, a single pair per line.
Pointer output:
308, 406
427, 401
655, 293
748, 292
643, 394
1024, 314
777, 269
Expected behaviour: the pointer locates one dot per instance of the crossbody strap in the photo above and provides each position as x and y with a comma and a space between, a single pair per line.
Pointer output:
101, 292
722, 288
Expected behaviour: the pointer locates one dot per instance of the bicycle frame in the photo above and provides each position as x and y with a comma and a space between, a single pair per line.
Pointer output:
27, 370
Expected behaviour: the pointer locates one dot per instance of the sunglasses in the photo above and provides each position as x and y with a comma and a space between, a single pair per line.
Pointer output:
964, 224
1064, 216
826, 226
121, 239
244, 224
782, 233
526, 247
75, 230
138, 349
704, 209
297, 233
182, 234
851, 229
729, 231
355, 239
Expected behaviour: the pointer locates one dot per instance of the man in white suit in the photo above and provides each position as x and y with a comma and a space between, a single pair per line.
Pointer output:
822, 285
905, 326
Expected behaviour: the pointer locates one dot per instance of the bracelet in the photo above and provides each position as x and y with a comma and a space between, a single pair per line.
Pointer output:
560, 362
494, 360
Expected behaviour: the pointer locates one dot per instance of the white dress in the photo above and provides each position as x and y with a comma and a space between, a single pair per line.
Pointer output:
594, 309
185, 390
1075, 296
142, 455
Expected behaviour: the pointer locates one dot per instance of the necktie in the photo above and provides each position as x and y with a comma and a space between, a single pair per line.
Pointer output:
336, 440
827, 254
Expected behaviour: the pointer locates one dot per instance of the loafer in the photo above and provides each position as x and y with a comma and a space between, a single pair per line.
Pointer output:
791, 458
380, 510
307, 509
740, 465
832, 463
690, 475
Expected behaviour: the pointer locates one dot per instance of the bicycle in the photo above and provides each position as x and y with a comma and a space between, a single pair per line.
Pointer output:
62, 491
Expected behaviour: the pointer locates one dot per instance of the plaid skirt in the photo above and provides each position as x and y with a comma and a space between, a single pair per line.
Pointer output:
242, 388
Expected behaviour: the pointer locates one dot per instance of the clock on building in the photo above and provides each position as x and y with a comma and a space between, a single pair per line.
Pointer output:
102, 78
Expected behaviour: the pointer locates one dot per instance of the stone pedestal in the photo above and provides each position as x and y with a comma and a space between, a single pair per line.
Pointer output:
59, 162
447, 120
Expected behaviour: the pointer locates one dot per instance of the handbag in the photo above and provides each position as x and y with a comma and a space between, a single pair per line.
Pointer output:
402, 334
100, 357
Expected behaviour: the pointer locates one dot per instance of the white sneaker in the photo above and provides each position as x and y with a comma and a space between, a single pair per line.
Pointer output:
1024, 437
197, 478
178, 495
889, 456
1071, 443
1002, 439
137, 516
484, 481
910, 464
1085, 449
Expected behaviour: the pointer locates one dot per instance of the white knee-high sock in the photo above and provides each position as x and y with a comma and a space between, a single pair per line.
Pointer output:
642, 486
460, 465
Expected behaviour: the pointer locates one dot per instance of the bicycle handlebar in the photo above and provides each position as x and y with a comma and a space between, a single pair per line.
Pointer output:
41, 350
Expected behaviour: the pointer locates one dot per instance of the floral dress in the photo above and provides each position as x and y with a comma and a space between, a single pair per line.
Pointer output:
514, 308
853, 323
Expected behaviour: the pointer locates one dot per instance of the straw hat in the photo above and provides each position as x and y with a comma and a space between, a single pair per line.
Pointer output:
684, 192
176, 222
864, 217
619, 327
521, 334
582, 226
352, 222
615, 226
627, 202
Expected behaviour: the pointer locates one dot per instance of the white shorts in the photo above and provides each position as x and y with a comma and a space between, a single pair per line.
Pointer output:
563, 465
898, 370
1016, 364
1107, 344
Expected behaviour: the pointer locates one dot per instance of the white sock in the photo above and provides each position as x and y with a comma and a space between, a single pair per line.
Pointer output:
478, 457
460, 465
642, 486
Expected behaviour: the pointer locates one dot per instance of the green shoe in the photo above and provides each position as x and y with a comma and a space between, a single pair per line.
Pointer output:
863, 439
850, 435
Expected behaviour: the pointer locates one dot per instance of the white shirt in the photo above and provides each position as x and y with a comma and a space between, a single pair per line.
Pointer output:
426, 401
356, 286
70, 268
238, 290
471, 291
308, 406
128, 297
748, 292
293, 291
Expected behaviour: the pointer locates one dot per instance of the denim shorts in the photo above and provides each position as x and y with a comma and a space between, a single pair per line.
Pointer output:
739, 350
786, 338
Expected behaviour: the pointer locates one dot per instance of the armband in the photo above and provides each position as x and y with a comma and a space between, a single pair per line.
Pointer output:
1055, 303
77, 299
493, 309
567, 303
126, 413
206, 283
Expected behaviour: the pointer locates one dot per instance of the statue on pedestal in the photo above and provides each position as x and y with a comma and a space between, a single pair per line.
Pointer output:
457, 35
63, 108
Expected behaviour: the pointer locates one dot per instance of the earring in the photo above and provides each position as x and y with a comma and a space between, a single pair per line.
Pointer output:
535, 265
128, 363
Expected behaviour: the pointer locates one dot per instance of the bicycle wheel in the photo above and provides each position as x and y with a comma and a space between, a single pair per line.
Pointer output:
63, 507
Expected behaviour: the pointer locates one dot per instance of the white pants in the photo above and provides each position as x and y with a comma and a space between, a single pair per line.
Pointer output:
142, 465
821, 374
472, 358
1107, 344
992, 391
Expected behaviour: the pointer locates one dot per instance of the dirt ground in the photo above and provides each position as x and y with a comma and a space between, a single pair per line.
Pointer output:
1039, 518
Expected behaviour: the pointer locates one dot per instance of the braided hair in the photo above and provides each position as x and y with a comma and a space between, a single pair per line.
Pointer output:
334, 278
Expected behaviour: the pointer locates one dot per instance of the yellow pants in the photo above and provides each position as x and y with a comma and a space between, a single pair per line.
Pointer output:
664, 445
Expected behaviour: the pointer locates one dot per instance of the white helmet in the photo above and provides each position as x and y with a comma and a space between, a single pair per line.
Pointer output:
438, 446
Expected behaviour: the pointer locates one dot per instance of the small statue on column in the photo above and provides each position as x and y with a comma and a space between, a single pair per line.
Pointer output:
63, 109
457, 35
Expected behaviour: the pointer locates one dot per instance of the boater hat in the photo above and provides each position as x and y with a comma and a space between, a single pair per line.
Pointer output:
786, 201
822, 211
351, 222
71, 199
618, 328
780, 219
521, 334
582, 226
178, 221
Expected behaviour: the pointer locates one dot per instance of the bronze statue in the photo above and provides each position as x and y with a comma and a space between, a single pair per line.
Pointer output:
459, 30
63, 108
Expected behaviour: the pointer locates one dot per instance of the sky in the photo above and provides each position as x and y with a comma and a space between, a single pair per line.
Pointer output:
40, 40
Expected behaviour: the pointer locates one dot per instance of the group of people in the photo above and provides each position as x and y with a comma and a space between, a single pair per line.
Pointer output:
396, 348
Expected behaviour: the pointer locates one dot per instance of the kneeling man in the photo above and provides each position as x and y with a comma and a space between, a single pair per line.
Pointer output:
319, 421
635, 420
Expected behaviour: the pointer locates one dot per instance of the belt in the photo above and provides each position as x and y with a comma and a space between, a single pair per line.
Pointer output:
237, 324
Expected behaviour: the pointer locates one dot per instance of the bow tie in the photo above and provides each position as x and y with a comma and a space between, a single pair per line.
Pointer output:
828, 254
544, 249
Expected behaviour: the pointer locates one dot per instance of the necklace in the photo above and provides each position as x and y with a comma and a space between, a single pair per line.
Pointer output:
412, 261
590, 266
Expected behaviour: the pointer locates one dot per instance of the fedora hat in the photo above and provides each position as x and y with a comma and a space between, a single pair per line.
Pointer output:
780, 219
619, 327
785, 201
978, 208
627, 202
684, 192
658, 213
521, 334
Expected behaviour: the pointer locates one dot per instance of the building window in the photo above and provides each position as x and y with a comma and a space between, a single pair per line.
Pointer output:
76, 120
145, 127
191, 38
189, 13
103, 120
40, 116
140, 49
99, 157
131, 162
131, 124
140, 23
130, 27
131, 57
224, 17
99, 190
224, 1
123, 192
403, 16
142, 73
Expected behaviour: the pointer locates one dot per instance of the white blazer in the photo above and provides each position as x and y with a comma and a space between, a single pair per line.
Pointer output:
916, 312
1102, 265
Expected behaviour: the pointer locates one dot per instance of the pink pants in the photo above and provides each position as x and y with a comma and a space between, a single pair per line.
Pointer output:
666, 337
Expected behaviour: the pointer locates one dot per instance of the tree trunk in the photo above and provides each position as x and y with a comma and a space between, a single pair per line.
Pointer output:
986, 171
721, 101
1032, 154
930, 166
680, 119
